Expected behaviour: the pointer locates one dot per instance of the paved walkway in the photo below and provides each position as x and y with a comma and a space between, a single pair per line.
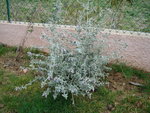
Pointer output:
136, 54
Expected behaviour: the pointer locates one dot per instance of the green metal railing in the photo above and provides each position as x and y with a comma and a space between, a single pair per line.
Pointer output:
8, 9
38, 11
135, 18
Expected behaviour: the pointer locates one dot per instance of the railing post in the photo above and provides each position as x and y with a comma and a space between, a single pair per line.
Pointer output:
8, 10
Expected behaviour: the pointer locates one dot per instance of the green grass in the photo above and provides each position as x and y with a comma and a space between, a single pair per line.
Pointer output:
128, 105
129, 72
135, 17
31, 100
4, 49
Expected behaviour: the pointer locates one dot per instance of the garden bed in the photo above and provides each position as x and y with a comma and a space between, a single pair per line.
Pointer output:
119, 96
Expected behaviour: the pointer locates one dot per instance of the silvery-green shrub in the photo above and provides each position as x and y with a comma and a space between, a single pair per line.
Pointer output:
75, 63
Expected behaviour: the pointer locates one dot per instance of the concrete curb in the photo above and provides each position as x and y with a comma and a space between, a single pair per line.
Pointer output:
110, 31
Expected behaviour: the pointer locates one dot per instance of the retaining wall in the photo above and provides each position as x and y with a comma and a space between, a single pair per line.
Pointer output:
136, 54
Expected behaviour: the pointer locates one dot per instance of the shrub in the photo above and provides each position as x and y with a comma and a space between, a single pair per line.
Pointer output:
75, 64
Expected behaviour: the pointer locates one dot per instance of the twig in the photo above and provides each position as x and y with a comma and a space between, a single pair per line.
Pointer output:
136, 84
73, 100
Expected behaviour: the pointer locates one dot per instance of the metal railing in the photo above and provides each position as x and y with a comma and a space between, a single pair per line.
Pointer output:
8, 9
40, 11
37, 11
25, 10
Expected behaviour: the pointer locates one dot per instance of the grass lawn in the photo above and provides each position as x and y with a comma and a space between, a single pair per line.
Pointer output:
118, 97
135, 17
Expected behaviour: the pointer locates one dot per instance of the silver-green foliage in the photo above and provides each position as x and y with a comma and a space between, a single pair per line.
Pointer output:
75, 64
